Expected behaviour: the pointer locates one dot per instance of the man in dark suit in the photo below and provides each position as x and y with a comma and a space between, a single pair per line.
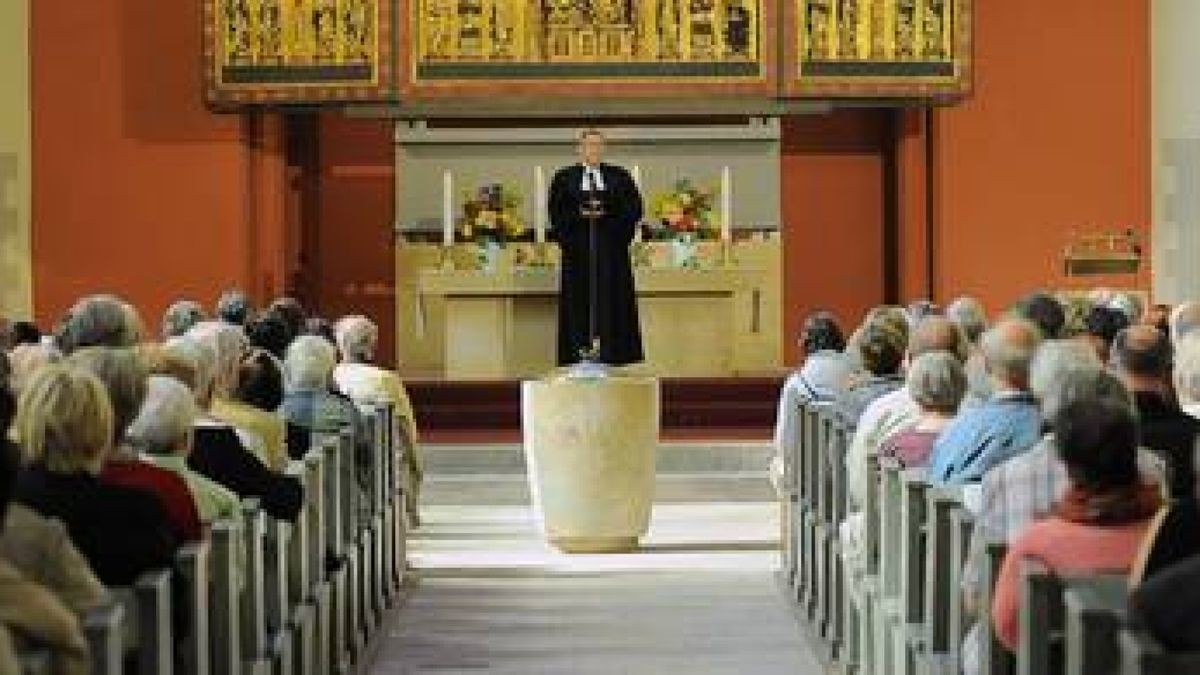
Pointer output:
610, 192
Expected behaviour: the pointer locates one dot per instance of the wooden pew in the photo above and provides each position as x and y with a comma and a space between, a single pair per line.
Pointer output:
275, 591
334, 564
887, 612
838, 509
353, 500
192, 563
1095, 611
103, 627
253, 619
35, 662
299, 623
866, 588
961, 530
227, 579
942, 584
995, 659
155, 644
1041, 645
909, 639
1141, 654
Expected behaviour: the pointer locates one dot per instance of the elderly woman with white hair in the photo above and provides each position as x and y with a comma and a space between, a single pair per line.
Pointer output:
311, 405
217, 451
236, 372
358, 378
937, 382
162, 431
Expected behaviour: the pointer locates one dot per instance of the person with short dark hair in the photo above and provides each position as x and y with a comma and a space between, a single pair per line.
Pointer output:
1044, 311
269, 331
1100, 522
25, 333
292, 313
233, 307
880, 349
1101, 326
823, 375
99, 321
1142, 356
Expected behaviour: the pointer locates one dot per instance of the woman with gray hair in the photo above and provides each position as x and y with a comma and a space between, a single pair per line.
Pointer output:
310, 405
162, 431
180, 317
218, 452
358, 378
937, 383
1187, 373
100, 321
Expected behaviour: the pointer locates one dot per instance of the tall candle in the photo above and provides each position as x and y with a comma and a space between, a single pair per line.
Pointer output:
447, 208
539, 204
726, 204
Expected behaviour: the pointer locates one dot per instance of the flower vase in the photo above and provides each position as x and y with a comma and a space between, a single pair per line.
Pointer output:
489, 255
683, 251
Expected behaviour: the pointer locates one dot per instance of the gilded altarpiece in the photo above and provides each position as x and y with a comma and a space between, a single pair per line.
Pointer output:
299, 51
587, 47
878, 48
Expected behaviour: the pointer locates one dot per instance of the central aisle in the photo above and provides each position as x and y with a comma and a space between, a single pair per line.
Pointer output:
701, 598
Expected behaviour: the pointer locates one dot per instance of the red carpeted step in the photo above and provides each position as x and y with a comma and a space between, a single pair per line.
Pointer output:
691, 408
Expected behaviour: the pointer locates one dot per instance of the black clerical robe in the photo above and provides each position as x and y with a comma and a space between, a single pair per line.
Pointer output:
616, 302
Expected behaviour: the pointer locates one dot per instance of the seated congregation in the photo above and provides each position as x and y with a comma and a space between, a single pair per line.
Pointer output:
232, 496
966, 496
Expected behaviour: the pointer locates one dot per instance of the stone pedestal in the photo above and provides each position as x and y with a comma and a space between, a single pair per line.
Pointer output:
589, 449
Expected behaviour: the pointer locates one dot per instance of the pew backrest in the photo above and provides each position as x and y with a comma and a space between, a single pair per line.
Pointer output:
1141, 654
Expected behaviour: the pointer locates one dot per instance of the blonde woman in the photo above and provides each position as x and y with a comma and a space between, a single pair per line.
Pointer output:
65, 428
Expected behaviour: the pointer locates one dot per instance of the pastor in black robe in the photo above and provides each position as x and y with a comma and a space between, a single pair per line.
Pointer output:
616, 301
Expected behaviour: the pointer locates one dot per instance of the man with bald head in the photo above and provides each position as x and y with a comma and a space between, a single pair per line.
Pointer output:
1003, 427
896, 411
1142, 357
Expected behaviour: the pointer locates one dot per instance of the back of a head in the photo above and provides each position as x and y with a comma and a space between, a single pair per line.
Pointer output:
123, 373
310, 362
881, 349
233, 307
356, 338
321, 327
1044, 311
919, 310
1053, 359
180, 317
1142, 351
1097, 440
25, 333
936, 333
937, 381
268, 331
164, 423
292, 313
1008, 349
227, 343
1083, 383
969, 315
64, 419
99, 321
821, 332
1129, 304
1105, 322
260, 381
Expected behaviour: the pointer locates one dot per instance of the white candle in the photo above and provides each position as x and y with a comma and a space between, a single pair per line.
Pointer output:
539, 205
726, 204
447, 208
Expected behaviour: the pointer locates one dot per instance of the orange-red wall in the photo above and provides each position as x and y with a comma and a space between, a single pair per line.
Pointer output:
1056, 138
137, 189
